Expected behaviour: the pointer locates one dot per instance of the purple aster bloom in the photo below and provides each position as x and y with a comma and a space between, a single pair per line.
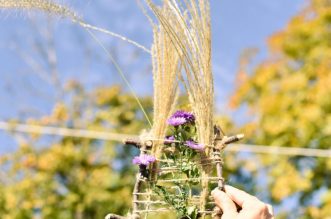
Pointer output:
169, 139
143, 159
186, 115
181, 117
194, 145
176, 121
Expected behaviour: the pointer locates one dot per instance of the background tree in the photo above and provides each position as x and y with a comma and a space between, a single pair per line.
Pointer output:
288, 97
72, 177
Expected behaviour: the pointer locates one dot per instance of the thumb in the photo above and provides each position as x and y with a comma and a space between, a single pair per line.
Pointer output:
224, 202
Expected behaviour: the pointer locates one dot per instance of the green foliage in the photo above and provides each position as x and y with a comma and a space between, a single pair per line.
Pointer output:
183, 158
73, 177
289, 98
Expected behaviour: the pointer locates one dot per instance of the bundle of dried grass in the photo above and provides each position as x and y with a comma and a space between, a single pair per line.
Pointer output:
190, 33
166, 68
188, 27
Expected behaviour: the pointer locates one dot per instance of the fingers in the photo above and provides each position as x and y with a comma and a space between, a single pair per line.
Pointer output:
242, 198
270, 211
224, 202
251, 206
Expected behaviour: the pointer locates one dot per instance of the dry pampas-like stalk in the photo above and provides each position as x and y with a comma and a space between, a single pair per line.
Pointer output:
43, 5
51, 7
190, 32
166, 68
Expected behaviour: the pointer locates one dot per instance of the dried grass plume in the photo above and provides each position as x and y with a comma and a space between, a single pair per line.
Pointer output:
53, 8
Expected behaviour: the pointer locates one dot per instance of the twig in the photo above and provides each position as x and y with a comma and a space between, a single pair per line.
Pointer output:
189, 179
138, 143
114, 216
136, 189
219, 145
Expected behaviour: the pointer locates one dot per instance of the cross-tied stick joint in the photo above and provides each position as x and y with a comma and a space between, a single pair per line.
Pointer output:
218, 146
220, 142
139, 144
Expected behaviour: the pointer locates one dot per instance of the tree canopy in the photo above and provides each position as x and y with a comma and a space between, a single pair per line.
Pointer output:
288, 97
71, 177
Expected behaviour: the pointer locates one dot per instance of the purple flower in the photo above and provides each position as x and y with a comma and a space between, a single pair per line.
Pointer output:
181, 117
186, 115
194, 145
169, 139
176, 121
143, 159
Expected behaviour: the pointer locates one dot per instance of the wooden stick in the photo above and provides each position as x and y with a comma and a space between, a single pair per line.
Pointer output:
233, 139
114, 216
138, 143
139, 179
136, 190
219, 145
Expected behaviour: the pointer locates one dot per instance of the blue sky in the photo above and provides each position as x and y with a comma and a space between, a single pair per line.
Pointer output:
236, 25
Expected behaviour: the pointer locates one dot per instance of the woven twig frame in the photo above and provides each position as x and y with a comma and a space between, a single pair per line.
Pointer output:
146, 202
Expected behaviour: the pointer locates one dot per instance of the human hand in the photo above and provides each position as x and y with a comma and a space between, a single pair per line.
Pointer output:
251, 207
